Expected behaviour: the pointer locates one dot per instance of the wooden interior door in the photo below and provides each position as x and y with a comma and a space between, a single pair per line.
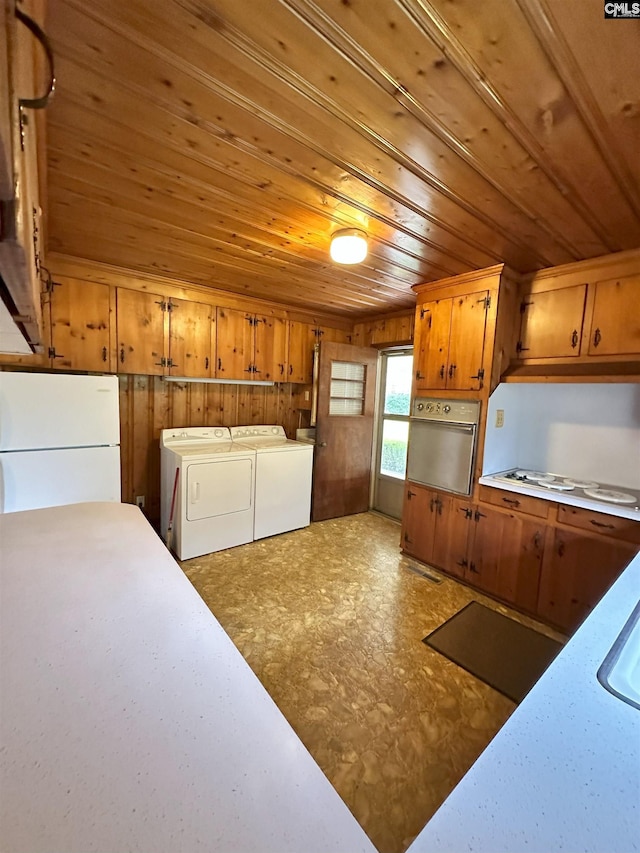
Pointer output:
234, 344
141, 332
613, 330
191, 331
342, 460
466, 341
80, 325
270, 348
432, 354
552, 323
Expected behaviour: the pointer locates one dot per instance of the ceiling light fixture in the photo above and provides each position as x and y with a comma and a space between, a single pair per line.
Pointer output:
349, 246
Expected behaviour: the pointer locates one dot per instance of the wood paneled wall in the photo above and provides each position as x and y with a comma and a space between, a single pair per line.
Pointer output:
148, 405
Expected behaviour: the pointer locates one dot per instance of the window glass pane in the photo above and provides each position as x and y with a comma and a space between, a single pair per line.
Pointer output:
398, 387
393, 459
347, 370
341, 406
340, 388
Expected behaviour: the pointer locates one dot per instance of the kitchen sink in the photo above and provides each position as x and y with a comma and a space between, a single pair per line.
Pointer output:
620, 670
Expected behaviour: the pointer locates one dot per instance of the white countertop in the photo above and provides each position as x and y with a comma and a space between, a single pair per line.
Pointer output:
568, 498
129, 720
563, 774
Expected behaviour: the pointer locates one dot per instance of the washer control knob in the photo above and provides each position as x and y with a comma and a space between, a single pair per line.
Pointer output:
446, 409
429, 407
419, 406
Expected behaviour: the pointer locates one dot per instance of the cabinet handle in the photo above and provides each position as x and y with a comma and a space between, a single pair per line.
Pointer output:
407, 539
537, 539
574, 338
419, 375
431, 504
410, 495
597, 337
472, 568
121, 355
560, 549
281, 366
511, 501
290, 369
439, 505
442, 372
104, 353
601, 524
462, 563
43, 101
452, 370
219, 364
206, 362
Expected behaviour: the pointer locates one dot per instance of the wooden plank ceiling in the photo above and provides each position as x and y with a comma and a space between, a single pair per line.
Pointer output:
222, 141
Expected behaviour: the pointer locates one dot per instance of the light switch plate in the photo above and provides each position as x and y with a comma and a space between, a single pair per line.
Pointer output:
499, 418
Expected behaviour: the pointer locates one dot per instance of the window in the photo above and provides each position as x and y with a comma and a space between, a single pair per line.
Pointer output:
347, 388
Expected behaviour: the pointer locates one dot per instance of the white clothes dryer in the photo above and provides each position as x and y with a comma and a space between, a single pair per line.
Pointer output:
284, 471
214, 503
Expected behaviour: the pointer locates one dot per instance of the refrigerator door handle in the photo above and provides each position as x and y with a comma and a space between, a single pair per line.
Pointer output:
195, 493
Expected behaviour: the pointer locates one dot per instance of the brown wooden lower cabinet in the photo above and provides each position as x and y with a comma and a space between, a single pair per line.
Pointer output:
555, 573
505, 556
577, 571
435, 527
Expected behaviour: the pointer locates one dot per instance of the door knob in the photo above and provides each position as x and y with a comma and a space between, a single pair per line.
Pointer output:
322, 444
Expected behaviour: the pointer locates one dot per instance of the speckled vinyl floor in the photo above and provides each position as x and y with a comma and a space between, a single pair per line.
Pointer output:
331, 620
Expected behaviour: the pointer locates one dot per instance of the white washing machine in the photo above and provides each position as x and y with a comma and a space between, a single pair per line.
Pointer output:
215, 494
283, 479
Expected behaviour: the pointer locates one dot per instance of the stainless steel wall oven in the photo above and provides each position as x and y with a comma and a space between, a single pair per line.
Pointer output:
442, 443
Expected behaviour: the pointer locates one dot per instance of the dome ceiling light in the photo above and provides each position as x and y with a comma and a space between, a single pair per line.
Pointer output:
349, 246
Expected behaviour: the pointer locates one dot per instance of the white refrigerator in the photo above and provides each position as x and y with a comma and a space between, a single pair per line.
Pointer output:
59, 440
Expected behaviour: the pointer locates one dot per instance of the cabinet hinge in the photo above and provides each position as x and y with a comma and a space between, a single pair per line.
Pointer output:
487, 302
524, 305
162, 304
53, 354
170, 306
410, 494
478, 515
520, 348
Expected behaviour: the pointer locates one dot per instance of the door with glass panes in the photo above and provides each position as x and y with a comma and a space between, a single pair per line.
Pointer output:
392, 431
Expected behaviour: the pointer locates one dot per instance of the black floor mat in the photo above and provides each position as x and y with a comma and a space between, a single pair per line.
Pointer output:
501, 652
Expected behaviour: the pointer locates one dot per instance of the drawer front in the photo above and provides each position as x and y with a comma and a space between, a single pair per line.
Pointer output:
598, 522
514, 501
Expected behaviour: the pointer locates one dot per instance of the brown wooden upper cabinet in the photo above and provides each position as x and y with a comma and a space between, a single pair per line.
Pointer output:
251, 346
80, 325
615, 321
303, 337
20, 94
163, 336
592, 319
449, 343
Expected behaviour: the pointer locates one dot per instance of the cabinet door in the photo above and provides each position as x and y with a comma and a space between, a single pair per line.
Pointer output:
301, 343
335, 336
141, 332
466, 341
191, 333
80, 321
234, 344
615, 324
418, 522
451, 534
506, 556
551, 325
433, 328
576, 573
270, 359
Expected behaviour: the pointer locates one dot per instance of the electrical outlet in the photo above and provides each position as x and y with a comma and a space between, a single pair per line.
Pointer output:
140, 501
499, 418
307, 396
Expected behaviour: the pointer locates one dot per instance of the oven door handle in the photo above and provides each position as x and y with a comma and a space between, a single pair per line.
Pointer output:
469, 428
